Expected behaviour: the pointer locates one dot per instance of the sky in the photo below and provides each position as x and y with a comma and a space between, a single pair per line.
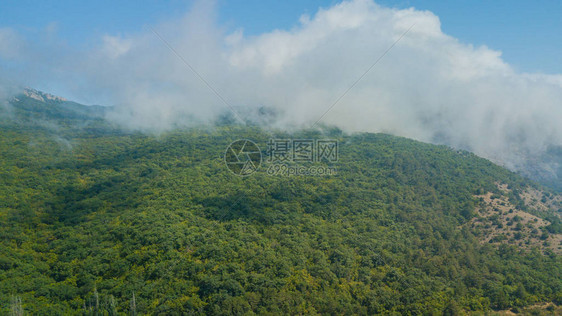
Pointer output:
528, 33
478, 75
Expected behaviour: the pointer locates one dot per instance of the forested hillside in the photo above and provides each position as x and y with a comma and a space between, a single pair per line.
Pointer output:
100, 221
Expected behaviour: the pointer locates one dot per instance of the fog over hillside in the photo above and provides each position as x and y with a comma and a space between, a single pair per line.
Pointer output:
428, 86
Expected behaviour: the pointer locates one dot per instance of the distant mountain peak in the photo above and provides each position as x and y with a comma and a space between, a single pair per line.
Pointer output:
41, 96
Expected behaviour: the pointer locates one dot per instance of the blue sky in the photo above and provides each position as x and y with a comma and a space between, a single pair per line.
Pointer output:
529, 33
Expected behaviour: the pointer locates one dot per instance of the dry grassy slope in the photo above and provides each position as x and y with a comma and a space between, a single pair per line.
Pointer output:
537, 309
500, 221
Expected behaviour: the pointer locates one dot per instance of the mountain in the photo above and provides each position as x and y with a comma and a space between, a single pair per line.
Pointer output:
36, 108
99, 220
545, 168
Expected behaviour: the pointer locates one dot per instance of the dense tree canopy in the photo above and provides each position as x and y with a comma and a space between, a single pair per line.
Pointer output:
93, 216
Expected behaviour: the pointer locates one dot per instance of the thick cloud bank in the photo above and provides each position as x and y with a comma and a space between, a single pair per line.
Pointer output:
429, 86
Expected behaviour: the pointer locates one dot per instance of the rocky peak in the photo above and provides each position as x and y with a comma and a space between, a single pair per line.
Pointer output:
41, 96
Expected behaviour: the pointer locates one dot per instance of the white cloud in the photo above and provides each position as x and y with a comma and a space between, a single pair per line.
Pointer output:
11, 43
114, 46
429, 86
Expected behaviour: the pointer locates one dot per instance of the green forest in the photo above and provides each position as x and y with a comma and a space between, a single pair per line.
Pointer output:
96, 220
